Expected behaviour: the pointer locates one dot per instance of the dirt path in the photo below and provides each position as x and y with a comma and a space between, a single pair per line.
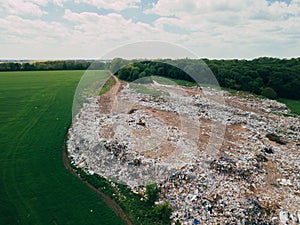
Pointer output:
107, 99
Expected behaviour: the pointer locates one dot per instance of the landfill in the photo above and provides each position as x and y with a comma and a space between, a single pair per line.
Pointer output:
229, 161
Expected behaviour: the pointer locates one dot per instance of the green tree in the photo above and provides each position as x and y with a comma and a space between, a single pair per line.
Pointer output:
117, 64
269, 93
163, 212
152, 192
256, 85
142, 74
124, 74
135, 71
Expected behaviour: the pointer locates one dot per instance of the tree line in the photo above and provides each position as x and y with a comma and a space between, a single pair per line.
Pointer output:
52, 65
271, 77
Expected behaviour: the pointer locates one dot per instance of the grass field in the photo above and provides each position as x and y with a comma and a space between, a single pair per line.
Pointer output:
147, 90
294, 105
35, 187
171, 81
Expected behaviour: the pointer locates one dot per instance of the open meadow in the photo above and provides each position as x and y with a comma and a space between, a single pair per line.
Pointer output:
35, 187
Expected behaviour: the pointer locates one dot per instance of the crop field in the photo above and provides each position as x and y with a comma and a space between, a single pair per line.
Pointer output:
35, 187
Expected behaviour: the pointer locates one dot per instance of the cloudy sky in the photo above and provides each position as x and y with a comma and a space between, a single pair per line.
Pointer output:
59, 29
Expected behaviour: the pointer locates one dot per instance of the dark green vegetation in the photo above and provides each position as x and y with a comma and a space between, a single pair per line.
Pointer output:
138, 209
35, 187
269, 76
152, 193
282, 75
162, 212
269, 93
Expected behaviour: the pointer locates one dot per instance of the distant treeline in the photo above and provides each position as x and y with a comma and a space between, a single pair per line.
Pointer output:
271, 77
51, 65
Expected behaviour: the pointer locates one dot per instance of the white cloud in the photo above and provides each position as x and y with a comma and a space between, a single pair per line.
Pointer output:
214, 29
39, 2
105, 32
91, 35
247, 8
117, 5
59, 2
179, 7
232, 27
111, 27
29, 31
22, 7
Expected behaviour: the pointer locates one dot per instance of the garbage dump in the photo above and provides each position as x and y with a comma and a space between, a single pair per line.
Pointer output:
253, 178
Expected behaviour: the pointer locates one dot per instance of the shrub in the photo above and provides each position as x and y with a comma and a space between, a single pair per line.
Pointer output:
163, 212
152, 192
269, 93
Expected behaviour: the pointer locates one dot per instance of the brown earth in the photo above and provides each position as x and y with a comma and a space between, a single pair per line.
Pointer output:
107, 99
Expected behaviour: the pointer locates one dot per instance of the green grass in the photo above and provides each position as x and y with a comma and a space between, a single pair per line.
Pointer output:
147, 90
107, 86
293, 105
92, 81
90, 85
185, 83
35, 187
171, 81
138, 211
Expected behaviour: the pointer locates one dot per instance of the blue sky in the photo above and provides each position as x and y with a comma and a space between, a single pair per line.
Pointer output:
58, 29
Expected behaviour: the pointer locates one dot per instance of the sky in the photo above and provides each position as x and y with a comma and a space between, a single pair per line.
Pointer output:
90, 29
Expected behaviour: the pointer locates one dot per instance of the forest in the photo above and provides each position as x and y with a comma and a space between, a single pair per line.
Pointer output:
271, 77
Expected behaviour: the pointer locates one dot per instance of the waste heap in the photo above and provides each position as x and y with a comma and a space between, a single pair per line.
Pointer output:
253, 178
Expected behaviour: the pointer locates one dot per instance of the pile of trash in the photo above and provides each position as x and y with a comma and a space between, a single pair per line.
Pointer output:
217, 162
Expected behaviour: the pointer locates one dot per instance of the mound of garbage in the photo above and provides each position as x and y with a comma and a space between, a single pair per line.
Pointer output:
235, 161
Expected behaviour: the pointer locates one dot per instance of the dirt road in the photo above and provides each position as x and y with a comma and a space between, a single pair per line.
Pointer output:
107, 99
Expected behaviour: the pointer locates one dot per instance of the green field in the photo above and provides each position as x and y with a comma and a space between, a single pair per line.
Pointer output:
294, 105
147, 90
35, 187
